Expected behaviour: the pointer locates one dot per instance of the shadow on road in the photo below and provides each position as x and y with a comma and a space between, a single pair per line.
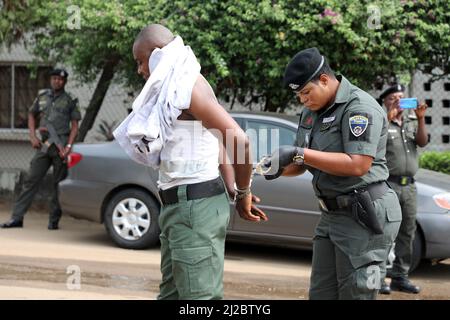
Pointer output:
433, 271
98, 239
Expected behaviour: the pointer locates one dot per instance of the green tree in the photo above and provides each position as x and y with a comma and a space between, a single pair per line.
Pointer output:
243, 46
98, 48
93, 37
429, 28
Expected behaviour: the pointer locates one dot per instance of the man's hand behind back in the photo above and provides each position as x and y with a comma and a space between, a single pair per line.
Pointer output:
248, 211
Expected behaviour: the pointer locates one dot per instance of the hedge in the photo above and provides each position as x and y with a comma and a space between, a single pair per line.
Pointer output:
436, 161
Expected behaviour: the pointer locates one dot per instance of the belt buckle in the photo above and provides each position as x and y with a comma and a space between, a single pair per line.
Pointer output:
403, 181
323, 205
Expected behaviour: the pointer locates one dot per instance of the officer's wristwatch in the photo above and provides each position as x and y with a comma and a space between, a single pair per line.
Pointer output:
299, 158
69, 145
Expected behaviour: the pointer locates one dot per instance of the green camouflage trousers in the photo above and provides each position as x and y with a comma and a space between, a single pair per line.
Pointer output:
348, 259
193, 247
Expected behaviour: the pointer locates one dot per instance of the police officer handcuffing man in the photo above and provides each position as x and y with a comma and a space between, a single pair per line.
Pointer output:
341, 140
405, 133
57, 113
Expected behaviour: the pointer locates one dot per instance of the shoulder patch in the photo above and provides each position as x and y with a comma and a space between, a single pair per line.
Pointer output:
358, 124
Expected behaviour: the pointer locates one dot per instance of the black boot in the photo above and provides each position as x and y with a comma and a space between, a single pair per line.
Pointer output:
13, 224
404, 285
385, 289
389, 273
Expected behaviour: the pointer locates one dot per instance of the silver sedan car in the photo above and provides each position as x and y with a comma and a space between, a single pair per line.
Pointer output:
106, 186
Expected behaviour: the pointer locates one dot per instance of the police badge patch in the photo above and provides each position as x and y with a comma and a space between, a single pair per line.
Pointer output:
358, 124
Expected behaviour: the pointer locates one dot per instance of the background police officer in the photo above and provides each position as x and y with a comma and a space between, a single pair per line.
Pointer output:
57, 112
341, 140
405, 133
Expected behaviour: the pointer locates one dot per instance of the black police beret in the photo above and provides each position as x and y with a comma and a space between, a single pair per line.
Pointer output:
303, 67
59, 72
392, 89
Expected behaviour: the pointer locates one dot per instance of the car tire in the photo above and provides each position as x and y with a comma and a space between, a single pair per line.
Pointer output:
418, 250
131, 219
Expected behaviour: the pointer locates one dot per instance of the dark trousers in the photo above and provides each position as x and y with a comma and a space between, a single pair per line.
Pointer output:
39, 166
348, 259
403, 249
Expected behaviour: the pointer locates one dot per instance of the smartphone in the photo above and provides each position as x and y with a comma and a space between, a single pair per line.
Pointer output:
408, 103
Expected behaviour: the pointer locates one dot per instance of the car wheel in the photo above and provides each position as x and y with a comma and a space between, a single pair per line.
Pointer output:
131, 219
418, 250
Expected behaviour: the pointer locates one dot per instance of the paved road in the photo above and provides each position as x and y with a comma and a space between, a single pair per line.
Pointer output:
36, 263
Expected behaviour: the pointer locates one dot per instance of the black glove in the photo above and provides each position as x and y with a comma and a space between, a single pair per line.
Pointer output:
280, 159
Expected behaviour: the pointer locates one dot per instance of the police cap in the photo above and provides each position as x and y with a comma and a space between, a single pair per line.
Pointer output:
59, 72
303, 67
393, 89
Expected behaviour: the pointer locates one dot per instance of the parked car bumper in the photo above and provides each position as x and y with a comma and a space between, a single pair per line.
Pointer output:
436, 229
80, 198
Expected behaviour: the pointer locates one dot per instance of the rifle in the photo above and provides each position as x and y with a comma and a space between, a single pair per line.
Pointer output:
52, 139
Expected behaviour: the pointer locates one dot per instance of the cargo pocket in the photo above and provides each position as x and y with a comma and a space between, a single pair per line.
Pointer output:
394, 218
393, 215
193, 271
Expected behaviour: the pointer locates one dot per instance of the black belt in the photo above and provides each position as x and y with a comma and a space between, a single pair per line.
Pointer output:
344, 202
193, 191
401, 180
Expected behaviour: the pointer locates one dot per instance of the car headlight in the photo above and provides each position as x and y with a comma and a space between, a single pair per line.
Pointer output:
442, 200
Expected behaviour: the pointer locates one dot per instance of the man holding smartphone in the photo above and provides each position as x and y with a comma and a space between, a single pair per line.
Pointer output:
405, 133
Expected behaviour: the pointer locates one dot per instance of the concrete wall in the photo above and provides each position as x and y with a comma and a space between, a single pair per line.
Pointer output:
11, 184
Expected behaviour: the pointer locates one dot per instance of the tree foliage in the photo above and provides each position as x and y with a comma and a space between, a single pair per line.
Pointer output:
243, 46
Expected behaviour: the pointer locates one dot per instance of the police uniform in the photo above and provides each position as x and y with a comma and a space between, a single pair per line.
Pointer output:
348, 258
57, 110
403, 163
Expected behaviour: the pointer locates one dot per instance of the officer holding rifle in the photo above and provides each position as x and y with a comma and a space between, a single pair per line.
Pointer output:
57, 112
